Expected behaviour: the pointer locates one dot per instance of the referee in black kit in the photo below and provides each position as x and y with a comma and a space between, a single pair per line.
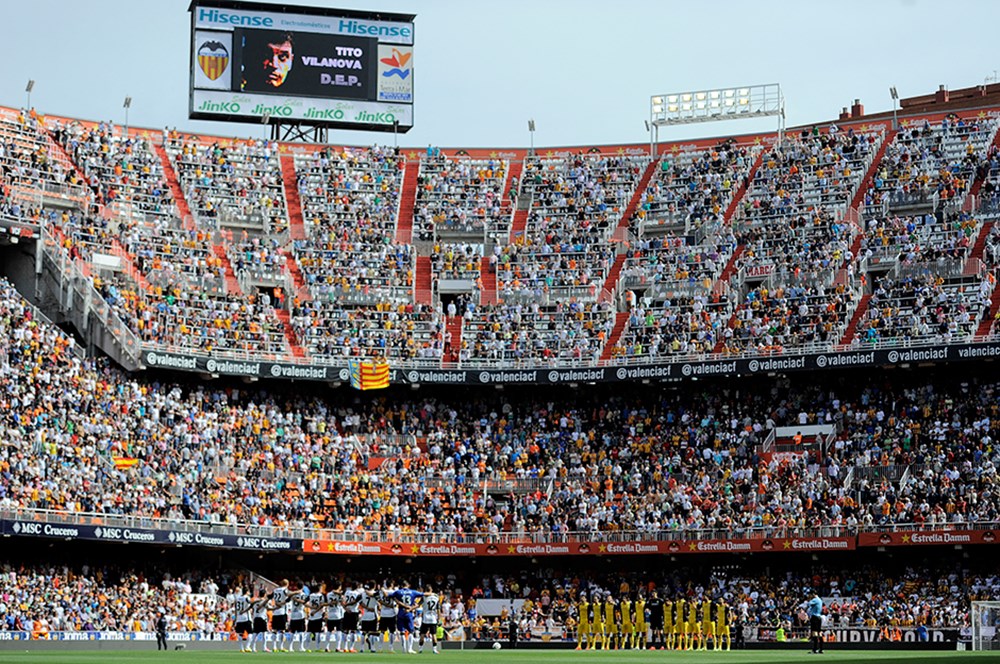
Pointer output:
161, 632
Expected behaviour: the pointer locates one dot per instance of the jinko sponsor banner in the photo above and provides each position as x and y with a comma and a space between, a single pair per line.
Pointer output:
343, 112
762, 545
674, 371
928, 537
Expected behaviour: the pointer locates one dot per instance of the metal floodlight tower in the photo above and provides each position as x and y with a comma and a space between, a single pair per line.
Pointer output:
895, 101
28, 88
127, 105
738, 103
531, 133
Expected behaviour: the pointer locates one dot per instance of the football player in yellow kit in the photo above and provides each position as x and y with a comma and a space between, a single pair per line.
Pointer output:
681, 628
707, 625
639, 635
609, 621
596, 622
626, 625
583, 622
669, 636
722, 625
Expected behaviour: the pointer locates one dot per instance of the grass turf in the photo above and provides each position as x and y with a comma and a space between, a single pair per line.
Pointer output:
193, 656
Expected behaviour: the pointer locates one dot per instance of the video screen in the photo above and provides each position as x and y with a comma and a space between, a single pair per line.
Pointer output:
306, 64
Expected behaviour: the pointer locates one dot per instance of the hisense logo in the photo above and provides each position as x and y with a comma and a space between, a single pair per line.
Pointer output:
215, 16
352, 27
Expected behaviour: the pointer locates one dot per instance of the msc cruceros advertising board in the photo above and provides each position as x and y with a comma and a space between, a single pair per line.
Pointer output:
342, 69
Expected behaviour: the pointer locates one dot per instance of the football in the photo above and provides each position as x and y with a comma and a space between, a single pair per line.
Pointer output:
496, 645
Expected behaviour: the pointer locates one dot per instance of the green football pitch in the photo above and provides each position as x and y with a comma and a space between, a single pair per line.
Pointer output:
503, 657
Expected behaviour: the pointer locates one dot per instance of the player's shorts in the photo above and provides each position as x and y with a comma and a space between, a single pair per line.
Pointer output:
259, 626
640, 627
815, 623
404, 622
334, 625
350, 621
387, 624
708, 628
297, 625
369, 626
278, 623
428, 628
314, 626
244, 627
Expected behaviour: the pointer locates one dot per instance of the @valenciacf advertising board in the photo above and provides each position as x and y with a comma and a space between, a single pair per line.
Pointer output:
342, 69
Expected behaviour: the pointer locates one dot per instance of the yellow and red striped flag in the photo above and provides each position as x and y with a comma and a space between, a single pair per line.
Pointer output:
369, 375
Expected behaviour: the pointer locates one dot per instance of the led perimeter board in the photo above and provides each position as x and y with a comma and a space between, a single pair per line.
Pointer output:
336, 68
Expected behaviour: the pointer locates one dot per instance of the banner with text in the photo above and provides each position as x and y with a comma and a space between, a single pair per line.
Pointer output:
927, 537
553, 376
104, 533
789, 544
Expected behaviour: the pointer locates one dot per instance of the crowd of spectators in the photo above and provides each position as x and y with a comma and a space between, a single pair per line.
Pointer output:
233, 183
652, 462
691, 189
925, 307
382, 330
531, 333
40, 599
464, 196
928, 163
918, 239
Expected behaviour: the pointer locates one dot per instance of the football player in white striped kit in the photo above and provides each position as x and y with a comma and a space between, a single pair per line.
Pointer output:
241, 616
387, 615
316, 602
260, 633
350, 627
279, 615
297, 619
335, 618
369, 616
429, 619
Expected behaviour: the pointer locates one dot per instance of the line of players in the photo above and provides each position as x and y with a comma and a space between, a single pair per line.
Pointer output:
344, 617
654, 623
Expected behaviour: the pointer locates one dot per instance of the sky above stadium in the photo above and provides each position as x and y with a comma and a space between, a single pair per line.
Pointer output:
583, 70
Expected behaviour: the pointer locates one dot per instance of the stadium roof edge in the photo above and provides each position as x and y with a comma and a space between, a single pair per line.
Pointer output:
302, 9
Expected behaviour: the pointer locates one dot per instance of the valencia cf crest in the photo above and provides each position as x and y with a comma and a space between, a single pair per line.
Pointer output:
213, 58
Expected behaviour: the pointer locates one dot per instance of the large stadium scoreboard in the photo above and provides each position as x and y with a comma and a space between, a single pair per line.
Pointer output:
335, 68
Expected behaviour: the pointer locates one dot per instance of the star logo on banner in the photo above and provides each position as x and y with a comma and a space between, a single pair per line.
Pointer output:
602, 548
511, 548
692, 547
412, 156
757, 141
415, 548
904, 123
549, 154
906, 539
621, 151
982, 115
329, 546
675, 149
493, 155
787, 544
